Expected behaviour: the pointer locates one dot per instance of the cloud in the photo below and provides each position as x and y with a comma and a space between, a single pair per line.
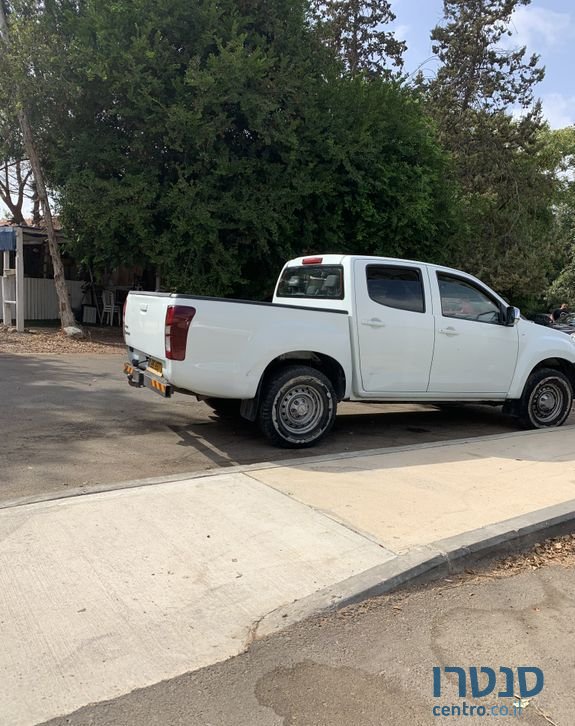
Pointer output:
558, 109
400, 31
540, 28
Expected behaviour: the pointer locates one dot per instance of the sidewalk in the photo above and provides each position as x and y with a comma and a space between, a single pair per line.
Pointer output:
109, 592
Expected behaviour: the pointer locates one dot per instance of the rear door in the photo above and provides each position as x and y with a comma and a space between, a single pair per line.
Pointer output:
395, 326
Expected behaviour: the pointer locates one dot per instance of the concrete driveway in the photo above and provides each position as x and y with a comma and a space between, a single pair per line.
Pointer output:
72, 421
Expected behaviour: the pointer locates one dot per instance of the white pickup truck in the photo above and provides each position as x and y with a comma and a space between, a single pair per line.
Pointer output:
350, 328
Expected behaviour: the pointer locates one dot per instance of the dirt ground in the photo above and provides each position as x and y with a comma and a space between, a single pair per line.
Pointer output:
52, 340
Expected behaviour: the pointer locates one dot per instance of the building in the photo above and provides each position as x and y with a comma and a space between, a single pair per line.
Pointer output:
27, 290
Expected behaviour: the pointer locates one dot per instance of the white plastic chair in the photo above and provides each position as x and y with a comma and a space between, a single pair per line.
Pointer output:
109, 307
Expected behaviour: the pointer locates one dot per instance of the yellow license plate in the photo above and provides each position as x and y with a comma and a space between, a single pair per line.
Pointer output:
155, 367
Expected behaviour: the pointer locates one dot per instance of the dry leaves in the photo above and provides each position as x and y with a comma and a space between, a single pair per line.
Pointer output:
103, 340
556, 551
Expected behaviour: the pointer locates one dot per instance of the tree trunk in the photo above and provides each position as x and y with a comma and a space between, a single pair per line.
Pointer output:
66, 315
36, 217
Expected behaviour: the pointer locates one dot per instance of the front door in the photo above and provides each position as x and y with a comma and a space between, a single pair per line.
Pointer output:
395, 327
475, 352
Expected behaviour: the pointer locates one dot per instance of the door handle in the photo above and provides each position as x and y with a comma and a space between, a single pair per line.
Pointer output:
374, 323
450, 332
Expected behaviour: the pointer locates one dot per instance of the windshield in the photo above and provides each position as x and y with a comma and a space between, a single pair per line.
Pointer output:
313, 281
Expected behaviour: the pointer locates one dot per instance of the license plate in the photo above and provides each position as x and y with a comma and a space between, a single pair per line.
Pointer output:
154, 366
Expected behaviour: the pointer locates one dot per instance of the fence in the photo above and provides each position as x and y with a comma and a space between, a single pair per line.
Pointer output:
41, 301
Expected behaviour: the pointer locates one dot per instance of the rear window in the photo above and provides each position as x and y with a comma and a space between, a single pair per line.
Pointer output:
313, 281
396, 287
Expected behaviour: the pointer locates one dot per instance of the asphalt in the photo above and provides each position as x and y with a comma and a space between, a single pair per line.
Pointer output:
72, 422
372, 664
106, 593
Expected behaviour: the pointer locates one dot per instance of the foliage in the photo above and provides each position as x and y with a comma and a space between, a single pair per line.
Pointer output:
482, 101
559, 148
218, 138
17, 70
355, 29
14, 171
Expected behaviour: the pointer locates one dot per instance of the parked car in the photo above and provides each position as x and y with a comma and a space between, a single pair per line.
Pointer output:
543, 319
350, 328
565, 324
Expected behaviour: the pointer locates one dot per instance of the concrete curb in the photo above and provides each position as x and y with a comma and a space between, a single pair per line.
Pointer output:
427, 563
246, 468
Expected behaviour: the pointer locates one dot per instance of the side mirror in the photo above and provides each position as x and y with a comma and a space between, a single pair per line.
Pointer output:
512, 316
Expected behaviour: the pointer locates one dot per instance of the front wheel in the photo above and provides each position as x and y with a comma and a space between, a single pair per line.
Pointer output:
298, 407
547, 399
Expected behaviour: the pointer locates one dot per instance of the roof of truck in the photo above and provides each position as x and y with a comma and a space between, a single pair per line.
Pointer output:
331, 259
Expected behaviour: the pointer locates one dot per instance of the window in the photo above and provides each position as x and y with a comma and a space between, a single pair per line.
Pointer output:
315, 281
462, 299
396, 287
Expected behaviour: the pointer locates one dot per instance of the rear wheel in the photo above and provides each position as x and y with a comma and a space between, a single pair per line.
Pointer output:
298, 407
546, 400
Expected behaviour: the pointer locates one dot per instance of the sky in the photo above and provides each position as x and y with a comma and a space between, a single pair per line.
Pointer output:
546, 27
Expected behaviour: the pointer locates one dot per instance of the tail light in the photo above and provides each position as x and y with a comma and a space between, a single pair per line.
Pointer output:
178, 321
312, 260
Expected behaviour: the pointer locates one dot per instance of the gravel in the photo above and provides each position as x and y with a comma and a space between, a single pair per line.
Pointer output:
53, 341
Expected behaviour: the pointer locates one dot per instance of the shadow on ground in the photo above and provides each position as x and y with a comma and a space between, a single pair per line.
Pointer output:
72, 421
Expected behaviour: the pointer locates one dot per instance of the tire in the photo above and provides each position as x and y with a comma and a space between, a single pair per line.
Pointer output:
224, 407
297, 408
547, 399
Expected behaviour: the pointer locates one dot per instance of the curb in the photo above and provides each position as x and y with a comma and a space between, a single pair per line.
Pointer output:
427, 563
71, 492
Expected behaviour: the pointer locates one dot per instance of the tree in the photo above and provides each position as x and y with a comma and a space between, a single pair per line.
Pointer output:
355, 30
482, 99
559, 149
218, 139
17, 74
14, 181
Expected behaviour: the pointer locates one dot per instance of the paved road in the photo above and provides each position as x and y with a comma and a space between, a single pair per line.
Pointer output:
70, 421
372, 665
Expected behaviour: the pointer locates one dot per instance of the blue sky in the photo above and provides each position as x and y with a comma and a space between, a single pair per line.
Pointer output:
546, 27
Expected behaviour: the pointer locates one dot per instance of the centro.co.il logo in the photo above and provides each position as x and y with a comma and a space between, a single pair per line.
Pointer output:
521, 683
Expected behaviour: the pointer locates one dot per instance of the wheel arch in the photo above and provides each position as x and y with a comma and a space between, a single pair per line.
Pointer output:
321, 361
328, 365
559, 364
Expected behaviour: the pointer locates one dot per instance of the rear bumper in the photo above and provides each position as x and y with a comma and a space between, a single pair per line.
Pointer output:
140, 379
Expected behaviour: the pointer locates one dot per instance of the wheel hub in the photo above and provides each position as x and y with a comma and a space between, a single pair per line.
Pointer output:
300, 409
547, 401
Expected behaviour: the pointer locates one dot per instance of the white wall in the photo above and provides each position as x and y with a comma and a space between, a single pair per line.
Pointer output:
41, 301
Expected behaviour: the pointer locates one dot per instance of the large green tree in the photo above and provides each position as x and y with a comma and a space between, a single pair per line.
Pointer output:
215, 139
482, 99
18, 23
559, 150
